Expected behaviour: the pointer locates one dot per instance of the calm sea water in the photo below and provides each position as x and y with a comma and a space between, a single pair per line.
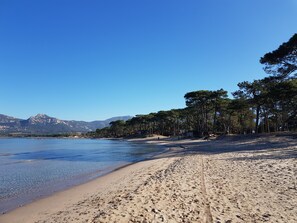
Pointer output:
33, 168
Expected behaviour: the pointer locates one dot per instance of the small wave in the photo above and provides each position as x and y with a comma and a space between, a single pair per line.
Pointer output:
19, 161
29, 161
6, 154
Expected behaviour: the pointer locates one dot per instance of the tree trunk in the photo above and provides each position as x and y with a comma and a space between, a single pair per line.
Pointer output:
257, 118
214, 120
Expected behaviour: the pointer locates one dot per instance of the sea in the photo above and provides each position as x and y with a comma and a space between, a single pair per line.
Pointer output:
32, 168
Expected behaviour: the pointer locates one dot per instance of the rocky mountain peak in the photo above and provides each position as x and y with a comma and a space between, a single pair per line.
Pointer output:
41, 116
42, 119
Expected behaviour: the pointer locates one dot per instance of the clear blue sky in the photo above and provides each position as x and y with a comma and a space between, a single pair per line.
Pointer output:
94, 59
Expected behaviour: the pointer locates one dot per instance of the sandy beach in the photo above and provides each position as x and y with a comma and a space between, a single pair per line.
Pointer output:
230, 179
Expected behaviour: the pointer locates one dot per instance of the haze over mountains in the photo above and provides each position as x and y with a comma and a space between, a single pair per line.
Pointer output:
44, 124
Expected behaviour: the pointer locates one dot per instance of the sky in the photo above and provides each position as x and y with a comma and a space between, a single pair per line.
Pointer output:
95, 59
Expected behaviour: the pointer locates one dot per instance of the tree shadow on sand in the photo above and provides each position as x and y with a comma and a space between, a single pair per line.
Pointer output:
282, 146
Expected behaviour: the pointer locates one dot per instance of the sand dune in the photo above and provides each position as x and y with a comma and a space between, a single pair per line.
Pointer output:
249, 179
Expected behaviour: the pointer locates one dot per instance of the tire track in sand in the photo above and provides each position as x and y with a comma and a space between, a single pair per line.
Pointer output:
207, 213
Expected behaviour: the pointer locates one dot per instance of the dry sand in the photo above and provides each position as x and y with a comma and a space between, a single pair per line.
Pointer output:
235, 179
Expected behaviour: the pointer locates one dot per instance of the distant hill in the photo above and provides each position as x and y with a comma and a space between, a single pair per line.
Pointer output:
44, 124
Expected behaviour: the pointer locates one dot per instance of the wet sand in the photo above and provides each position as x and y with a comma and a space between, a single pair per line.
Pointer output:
233, 179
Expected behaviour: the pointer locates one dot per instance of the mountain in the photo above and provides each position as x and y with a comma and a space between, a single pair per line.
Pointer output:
8, 123
44, 124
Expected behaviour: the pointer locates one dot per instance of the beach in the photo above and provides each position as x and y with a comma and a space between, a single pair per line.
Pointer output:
229, 179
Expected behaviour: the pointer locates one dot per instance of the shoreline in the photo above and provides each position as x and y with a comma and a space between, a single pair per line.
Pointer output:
60, 199
60, 187
16, 203
223, 180
76, 193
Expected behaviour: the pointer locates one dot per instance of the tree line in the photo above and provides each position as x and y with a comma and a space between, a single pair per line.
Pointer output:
261, 106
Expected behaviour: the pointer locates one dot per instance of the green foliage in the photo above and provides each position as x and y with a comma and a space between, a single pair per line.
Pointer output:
207, 107
265, 105
282, 61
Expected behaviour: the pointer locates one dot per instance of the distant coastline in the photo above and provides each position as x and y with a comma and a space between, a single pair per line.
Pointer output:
44, 125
